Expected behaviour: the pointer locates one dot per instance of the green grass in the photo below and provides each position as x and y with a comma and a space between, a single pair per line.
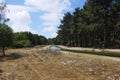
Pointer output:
103, 53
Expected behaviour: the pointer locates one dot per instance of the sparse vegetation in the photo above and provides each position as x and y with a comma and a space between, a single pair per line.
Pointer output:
41, 64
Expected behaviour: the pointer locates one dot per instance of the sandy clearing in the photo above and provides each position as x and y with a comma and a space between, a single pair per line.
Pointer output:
42, 64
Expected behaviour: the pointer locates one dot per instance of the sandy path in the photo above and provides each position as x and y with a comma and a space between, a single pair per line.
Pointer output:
80, 48
102, 57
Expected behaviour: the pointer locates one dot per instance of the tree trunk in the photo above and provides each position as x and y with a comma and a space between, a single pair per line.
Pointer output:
3, 50
105, 39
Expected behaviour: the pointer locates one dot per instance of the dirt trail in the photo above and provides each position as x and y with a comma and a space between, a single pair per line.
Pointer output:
103, 57
80, 48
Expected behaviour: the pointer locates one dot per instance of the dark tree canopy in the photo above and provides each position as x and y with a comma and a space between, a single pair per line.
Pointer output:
27, 39
6, 36
6, 33
96, 25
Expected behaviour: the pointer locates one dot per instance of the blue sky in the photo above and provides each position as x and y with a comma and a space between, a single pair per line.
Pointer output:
39, 16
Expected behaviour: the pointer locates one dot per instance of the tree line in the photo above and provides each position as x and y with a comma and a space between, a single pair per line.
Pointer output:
96, 25
27, 39
18, 40
15, 40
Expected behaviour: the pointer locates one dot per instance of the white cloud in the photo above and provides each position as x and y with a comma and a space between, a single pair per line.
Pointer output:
49, 29
51, 19
14, 8
20, 18
52, 12
54, 34
49, 5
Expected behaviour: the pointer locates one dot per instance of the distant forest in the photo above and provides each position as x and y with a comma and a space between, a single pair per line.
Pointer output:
19, 39
96, 25
27, 39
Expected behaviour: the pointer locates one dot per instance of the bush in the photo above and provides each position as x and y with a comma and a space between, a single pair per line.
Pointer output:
22, 43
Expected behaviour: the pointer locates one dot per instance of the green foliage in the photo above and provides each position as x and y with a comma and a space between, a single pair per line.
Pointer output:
6, 36
21, 39
27, 39
54, 41
96, 25
22, 43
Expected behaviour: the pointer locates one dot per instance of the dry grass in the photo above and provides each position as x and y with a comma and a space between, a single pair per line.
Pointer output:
40, 64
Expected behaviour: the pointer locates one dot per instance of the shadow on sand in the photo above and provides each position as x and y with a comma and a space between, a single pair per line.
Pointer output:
1, 71
11, 56
1, 78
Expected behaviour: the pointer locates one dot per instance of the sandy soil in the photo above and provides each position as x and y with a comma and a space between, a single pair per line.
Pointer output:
80, 48
104, 57
41, 64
